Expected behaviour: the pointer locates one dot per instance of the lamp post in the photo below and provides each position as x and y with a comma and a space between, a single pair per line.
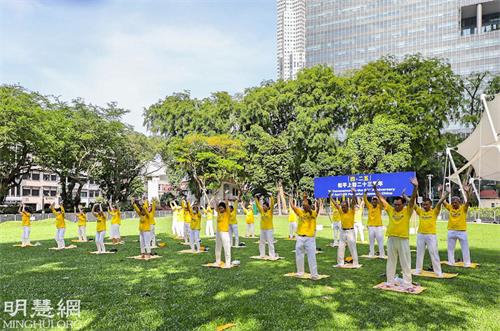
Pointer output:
429, 176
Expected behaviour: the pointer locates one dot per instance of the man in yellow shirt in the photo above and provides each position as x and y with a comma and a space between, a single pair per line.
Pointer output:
222, 235
306, 236
457, 227
426, 234
195, 227
144, 229
292, 220
60, 225
116, 221
266, 210
209, 214
101, 219
336, 224
233, 225
82, 224
249, 220
26, 223
375, 226
398, 233
347, 235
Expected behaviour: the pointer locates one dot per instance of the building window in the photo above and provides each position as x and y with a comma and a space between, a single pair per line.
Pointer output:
35, 192
46, 177
53, 178
53, 193
35, 176
26, 192
83, 194
91, 194
46, 193
26, 176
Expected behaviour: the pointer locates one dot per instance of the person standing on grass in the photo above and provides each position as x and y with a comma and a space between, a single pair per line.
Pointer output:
101, 219
173, 207
266, 226
359, 230
180, 220
195, 227
82, 224
186, 216
150, 213
26, 224
306, 236
209, 214
144, 230
426, 234
60, 225
222, 240
233, 224
457, 227
336, 224
347, 235
375, 226
249, 220
398, 233
116, 221
292, 220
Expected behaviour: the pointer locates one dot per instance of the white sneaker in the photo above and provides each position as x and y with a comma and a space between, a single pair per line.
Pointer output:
315, 277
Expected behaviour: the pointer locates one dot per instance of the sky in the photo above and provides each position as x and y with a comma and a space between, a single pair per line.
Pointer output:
136, 52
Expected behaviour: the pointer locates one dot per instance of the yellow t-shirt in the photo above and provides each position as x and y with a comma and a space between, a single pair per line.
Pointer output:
292, 217
60, 222
185, 212
195, 221
307, 222
399, 222
25, 217
82, 219
151, 214
210, 214
249, 218
144, 225
427, 220
180, 214
223, 221
233, 219
374, 213
335, 213
458, 217
347, 219
116, 217
266, 218
101, 222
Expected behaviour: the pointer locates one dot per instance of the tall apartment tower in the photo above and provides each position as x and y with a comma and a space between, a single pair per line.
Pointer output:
291, 37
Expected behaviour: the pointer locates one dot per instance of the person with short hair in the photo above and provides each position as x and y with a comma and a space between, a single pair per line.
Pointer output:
249, 220
266, 210
26, 224
60, 225
222, 240
336, 224
144, 229
186, 216
292, 220
116, 221
194, 238
82, 224
347, 235
209, 214
233, 224
375, 226
101, 219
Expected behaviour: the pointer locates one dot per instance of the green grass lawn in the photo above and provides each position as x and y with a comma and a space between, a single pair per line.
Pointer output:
176, 293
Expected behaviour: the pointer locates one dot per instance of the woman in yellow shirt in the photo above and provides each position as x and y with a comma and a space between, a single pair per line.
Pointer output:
249, 220
222, 235
209, 214
186, 216
150, 214
60, 225
100, 229
144, 229
175, 213
306, 236
116, 221
26, 223
195, 227
82, 224
347, 235
266, 210
292, 220
233, 225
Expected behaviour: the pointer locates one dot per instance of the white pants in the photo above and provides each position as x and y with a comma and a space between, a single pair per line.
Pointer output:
222, 241
347, 236
336, 232
233, 230
174, 226
464, 245
25, 237
250, 230
145, 241
99, 241
186, 231
153, 236
306, 245
292, 228
114, 232
209, 228
266, 236
82, 233
60, 237
180, 229
194, 240
376, 232
429, 240
359, 230
398, 247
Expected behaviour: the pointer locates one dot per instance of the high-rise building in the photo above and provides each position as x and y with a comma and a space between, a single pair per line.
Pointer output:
291, 37
346, 34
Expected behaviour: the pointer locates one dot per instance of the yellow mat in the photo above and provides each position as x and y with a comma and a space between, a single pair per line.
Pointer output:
258, 242
225, 326
218, 266
305, 276
111, 244
138, 257
185, 244
348, 266
461, 265
292, 239
267, 258
413, 290
332, 245
59, 249
78, 241
188, 251
237, 247
431, 274
374, 257
317, 252
19, 245
107, 252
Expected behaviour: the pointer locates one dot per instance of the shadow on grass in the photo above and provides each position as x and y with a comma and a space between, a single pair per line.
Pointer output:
175, 292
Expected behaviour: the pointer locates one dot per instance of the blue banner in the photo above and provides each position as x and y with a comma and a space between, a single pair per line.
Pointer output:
391, 184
